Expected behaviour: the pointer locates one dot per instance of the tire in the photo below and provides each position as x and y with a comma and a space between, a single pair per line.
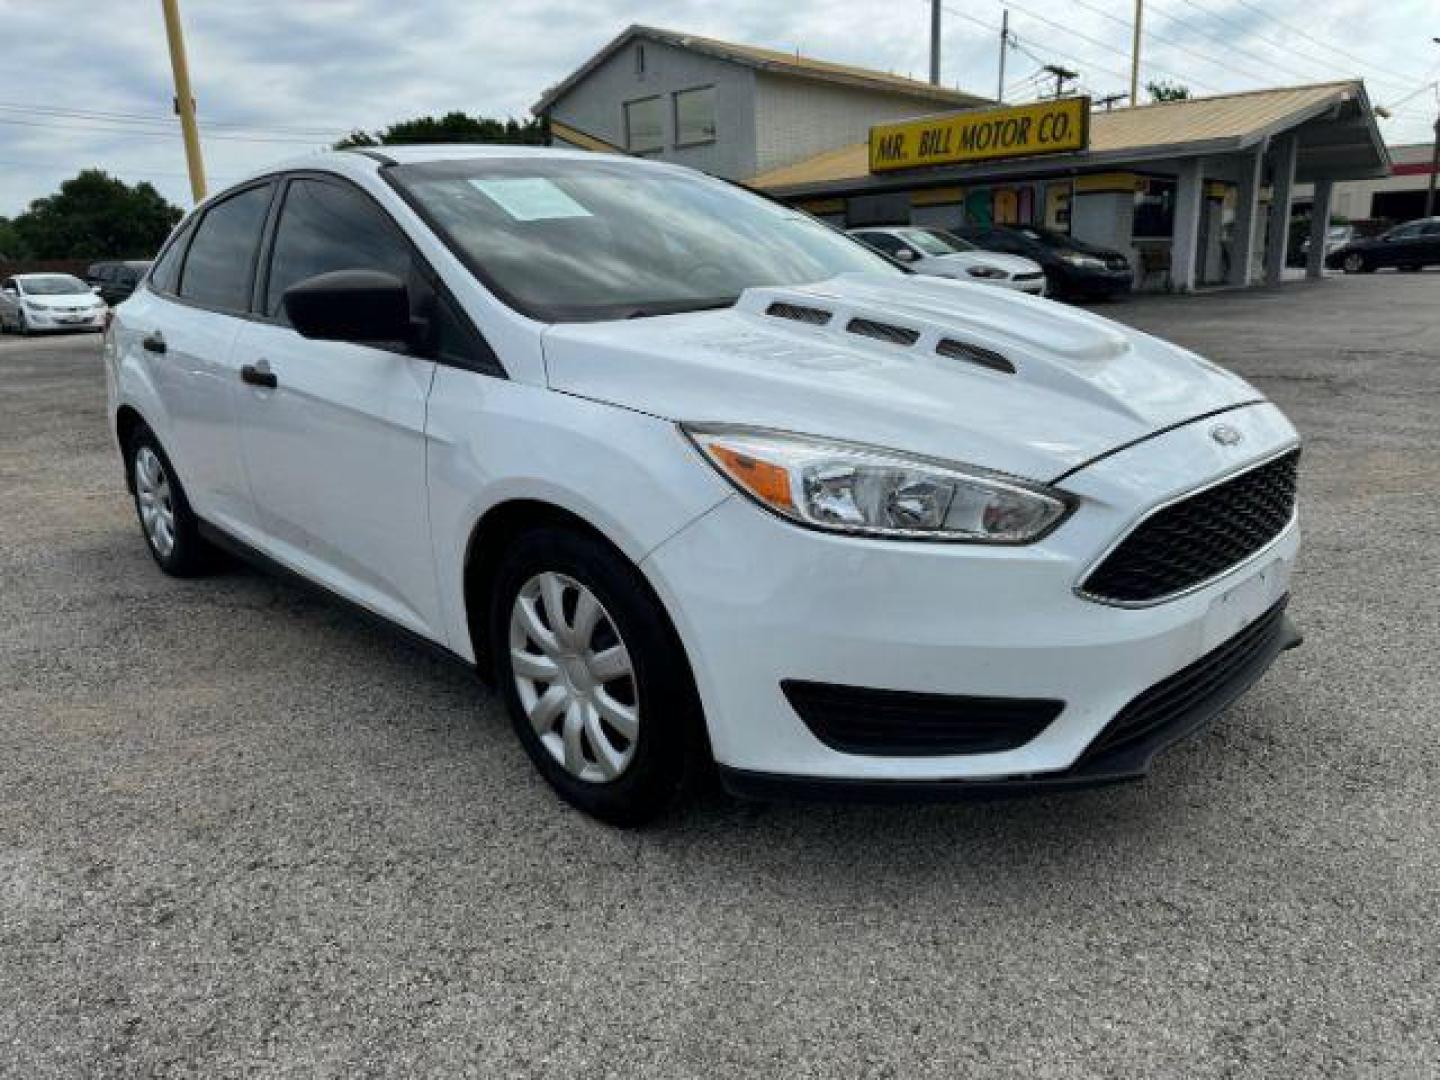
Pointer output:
21, 326
639, 705
159, 501
1355, 263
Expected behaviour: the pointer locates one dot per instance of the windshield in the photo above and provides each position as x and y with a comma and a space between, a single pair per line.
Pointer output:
935, 241
52, 285
1047, 237
569, 240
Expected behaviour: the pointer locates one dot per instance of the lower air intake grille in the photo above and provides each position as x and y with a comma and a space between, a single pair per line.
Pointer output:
895, 723
1213, 680
1196, 539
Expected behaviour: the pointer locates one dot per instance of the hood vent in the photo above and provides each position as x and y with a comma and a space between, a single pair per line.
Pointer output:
798, 312
895, 335
974, 354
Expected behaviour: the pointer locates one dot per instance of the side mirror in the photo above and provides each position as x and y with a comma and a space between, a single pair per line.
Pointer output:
350, 305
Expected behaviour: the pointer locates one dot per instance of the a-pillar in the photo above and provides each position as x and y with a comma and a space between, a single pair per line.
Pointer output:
1282, 189
1319, 228
1185, 241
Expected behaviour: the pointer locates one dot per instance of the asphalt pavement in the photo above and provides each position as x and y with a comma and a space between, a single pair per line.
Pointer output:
243, 832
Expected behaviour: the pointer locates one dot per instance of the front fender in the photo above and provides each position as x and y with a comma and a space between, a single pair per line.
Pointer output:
631, 476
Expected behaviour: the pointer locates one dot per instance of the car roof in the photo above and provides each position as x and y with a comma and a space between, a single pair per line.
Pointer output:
44, 273
363, 160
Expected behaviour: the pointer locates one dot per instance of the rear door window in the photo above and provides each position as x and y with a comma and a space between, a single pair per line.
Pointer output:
220, 264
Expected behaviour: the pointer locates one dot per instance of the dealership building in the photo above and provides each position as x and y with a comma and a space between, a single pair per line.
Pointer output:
1194, 192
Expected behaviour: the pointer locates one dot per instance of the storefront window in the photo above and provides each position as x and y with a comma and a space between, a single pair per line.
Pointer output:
644, 125
1155, 209
695, 116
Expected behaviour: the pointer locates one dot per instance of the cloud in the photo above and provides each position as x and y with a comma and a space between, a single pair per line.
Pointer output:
301, 74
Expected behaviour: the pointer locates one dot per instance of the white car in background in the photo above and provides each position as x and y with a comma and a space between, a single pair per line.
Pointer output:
33, 302
691, 477
937, 253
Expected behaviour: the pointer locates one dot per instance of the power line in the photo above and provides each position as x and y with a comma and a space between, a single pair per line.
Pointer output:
139, 118
1105, 45
1310, 37
138, 132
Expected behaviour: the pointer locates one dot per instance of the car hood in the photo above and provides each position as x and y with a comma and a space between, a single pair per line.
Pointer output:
1082, 385
63, 301
959, 260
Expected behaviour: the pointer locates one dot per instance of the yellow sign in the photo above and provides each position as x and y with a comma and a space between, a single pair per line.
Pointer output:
1046, 127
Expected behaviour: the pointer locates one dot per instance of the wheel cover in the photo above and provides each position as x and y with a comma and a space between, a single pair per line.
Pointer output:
1353, 262
157, 507
575, 678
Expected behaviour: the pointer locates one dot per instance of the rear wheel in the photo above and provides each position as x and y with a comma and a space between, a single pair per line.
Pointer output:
595, 679
170, 527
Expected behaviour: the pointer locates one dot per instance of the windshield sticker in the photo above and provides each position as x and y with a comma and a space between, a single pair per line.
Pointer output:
530, 198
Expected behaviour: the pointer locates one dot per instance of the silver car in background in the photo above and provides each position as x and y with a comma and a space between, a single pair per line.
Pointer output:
938, 253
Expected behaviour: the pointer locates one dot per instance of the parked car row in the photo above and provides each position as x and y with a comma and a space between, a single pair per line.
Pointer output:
1026, 258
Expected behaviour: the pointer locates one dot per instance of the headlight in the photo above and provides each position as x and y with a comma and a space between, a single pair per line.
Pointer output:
1089, 261
984, 272
849, 488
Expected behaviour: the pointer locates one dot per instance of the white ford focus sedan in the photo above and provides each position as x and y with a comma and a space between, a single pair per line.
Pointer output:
695, 478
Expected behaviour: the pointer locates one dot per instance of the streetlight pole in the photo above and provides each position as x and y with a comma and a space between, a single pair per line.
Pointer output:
184, 100
1004, 43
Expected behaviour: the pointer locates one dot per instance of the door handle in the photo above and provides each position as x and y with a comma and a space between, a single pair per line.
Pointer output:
153, 342
259, 376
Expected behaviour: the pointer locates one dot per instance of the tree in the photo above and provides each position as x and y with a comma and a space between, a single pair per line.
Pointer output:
1164, 90
10, 245
96, 216
452, 127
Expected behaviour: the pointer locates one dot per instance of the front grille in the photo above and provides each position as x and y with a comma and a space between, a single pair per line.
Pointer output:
1196, 539
896, 723
1116, 262
1197, 691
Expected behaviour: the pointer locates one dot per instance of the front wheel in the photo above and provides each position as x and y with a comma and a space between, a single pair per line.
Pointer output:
1355, 263
594, 676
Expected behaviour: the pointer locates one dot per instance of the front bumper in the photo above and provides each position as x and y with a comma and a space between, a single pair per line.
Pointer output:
64, 320
759, 601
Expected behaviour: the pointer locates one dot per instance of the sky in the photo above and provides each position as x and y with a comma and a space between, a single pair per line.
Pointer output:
87, 84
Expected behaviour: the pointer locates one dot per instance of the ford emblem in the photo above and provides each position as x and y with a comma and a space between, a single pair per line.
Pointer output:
1226, 435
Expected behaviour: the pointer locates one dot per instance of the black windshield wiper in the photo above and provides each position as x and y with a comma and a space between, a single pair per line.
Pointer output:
677, 307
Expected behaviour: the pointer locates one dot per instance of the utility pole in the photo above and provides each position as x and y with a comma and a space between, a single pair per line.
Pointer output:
184, 100
1434, 167
1434, 159
1110, 100
1061, 75
1135, 55
935, 42
1004, 44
